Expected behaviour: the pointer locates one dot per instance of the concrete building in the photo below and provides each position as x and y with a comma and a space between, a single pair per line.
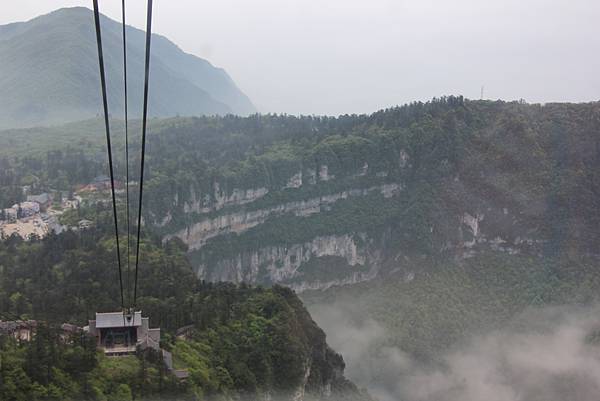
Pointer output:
70, 204
117, 334
44, 200
85, 224
27, 209
20, 329
10, 215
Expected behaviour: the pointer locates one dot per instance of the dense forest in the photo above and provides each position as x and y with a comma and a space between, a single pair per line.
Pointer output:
448, 152
530, 172
245, 341
495, 210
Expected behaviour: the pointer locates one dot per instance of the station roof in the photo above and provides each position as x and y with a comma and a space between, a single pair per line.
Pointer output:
117, 319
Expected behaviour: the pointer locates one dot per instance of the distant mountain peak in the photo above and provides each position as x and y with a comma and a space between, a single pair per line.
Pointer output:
49, 73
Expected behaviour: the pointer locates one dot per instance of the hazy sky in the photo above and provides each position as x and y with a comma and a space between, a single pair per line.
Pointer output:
351, 56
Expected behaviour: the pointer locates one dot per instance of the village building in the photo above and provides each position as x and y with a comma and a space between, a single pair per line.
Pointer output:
85, 224
118, 334
185, 333
102, 180
44, 200
100, 183
68, 331
115, 334
9, 215
21, 330
24, 330
70, 204
26, 209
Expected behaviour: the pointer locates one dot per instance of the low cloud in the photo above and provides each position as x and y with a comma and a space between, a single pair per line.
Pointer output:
548, 354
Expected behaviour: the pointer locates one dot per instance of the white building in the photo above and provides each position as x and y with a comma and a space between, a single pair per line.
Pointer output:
118, 334
10, 214
26, 209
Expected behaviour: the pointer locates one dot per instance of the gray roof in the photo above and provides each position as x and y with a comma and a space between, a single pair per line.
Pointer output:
185, 330
41, 198
101, 179
71, 328
10, 326
181, 374
117, 319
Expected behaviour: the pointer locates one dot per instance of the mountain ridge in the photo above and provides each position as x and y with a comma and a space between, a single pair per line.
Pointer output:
42, 86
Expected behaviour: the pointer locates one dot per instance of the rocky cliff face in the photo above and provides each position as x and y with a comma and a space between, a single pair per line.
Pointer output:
218, 199
288, 264
350, 199
332, 386
297, 264
323, 377
340, 259
196, 235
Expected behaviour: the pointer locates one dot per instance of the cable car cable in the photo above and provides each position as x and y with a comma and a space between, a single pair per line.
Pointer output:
128, 280
144, 124
108, 142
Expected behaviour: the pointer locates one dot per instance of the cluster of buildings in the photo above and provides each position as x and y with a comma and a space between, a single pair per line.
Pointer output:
116, 334
20, 211
21, 330
35, 216
34, 205
24, 330
100, 184
23, 220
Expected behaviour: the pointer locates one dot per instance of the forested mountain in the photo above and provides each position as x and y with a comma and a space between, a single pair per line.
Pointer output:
315, 201
49, 73
242, 343
433, 221
312, 202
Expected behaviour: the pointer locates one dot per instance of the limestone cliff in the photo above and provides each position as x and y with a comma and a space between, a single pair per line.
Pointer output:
315, 202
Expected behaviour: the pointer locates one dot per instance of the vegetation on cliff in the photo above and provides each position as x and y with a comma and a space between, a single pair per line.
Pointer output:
518, 183
242, 341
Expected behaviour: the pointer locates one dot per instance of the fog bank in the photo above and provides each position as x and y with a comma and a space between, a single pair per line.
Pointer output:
550, 354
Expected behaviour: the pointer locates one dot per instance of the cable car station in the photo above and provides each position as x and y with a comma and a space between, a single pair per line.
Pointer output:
120, 334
